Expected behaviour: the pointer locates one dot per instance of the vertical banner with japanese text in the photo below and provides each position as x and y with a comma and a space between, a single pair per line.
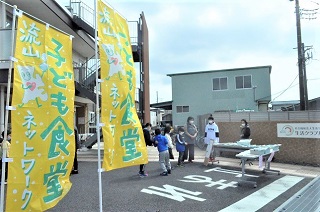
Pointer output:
124, 143
42, 144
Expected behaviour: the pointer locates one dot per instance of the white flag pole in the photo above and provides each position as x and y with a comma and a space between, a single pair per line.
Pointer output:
97, 103
4, 150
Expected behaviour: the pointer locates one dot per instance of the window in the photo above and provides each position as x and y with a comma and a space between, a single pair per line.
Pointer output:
182, 109
8, 22
220, 83
243, 82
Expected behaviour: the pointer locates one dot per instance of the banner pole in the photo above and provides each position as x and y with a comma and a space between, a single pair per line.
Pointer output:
36, 19
97, 103
4, 150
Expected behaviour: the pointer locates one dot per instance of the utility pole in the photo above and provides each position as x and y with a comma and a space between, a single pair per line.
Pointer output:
300, 58
157, 97
141, 90
306, 99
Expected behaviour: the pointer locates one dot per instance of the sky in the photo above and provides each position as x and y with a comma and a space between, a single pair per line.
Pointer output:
203, 35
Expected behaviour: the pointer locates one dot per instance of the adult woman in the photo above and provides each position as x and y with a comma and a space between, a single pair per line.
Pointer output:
191, 133
245, 129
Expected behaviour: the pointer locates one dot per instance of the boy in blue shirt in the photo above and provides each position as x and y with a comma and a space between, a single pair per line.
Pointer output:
162, 145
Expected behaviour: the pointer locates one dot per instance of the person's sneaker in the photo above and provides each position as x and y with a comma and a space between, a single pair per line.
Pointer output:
143, 174
164, 174
169, 171
74, 172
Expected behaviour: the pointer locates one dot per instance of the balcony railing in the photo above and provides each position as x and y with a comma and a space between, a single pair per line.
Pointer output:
86, 13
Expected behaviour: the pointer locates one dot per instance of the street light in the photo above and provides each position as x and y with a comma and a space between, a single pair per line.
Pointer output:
300, 58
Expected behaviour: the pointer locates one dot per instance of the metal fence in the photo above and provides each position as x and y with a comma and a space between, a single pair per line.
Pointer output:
266, 116
83, 11
86, 13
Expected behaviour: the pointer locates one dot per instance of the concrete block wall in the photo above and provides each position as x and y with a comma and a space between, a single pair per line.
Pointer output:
293, 150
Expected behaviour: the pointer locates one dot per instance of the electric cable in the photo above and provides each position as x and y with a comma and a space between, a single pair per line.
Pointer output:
287, 87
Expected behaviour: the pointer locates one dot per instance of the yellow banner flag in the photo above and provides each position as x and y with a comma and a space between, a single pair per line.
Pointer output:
43, 142
124, 143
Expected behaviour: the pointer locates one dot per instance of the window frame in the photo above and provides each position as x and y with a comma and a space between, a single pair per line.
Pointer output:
182, 108
220, 83
243, 76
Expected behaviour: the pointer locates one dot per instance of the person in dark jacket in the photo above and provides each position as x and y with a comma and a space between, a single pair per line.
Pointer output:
181, 146
149, 142
245, 129
147, 134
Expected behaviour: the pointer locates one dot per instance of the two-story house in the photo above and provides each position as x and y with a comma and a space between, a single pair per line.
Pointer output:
203, 92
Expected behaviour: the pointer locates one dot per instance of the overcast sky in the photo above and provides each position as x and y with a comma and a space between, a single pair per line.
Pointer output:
200, 35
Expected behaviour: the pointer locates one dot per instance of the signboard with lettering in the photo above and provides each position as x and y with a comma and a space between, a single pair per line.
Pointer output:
298, 130
43, 142
124, 144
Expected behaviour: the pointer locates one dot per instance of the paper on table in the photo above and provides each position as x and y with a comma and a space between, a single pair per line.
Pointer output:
260, 162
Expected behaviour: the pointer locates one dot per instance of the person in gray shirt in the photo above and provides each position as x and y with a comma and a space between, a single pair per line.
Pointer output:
191, 133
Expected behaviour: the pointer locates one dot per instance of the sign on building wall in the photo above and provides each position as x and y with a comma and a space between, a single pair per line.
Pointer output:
43, 143
298, 130
124, 143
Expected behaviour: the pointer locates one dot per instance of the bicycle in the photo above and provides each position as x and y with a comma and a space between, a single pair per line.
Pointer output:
200, 142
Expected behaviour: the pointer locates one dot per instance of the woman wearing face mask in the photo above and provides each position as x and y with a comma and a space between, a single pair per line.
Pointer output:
191, 133
245, 129
211, 137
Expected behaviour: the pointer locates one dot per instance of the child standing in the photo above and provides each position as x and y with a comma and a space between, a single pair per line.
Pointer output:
211, 136
162, 144
167, 131
181, 146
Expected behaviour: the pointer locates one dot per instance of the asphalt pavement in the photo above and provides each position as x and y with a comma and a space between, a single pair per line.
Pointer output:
194, 187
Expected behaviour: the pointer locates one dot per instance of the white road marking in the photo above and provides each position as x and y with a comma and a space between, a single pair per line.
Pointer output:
203, 179
174, 193
263, 196
237, 173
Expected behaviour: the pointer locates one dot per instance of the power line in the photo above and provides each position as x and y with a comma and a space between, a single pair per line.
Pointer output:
290, 86
314, 79
282, 92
